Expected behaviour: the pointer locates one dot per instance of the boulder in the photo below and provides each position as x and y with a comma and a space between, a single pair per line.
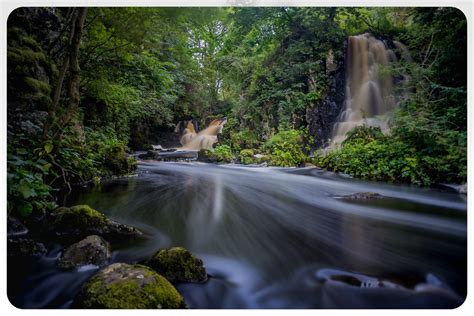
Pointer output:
178, 265
125, 286
91, 250
206, 155
81, 221
25, 247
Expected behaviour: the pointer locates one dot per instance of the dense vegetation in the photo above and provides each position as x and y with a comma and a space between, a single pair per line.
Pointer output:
87, 85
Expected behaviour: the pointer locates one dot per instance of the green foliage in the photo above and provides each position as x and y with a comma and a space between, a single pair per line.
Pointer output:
27, 191
391, 158
223, 153
243, 139
364, 134
246, 156
286, 148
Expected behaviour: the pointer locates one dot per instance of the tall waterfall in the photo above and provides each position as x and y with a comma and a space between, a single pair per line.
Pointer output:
369, 93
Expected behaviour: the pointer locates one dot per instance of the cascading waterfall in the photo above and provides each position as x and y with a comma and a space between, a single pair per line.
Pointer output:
370, 96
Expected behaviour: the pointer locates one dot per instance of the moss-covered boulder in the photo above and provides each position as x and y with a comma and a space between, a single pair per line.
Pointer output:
178, 265
91, 250
81, 221
127, 286
25, 247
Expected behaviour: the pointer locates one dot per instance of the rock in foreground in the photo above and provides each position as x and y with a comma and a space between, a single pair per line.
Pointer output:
81, 221
91, 250
127, 286
178, 265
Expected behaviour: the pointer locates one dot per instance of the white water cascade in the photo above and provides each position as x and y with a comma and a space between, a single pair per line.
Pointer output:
370, 96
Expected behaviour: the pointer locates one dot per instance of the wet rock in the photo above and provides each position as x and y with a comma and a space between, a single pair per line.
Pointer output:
91, 250
81, 221
127, 286
15, 227
206, 155
178, 265
362, 196
25, 247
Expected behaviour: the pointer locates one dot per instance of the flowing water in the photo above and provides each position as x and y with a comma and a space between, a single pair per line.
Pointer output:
370, 96
275, 238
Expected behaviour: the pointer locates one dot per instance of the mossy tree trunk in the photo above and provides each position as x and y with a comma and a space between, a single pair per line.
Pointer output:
58, 120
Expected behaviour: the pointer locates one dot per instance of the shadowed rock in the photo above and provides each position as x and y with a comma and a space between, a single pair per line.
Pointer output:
91, 250
25, 247
81, 221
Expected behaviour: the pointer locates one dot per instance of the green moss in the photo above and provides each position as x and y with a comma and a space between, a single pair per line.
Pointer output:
38, 85
79, 216
24, 55
178, 265
125, 286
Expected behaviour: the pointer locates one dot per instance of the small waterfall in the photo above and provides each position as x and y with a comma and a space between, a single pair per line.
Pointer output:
370, 95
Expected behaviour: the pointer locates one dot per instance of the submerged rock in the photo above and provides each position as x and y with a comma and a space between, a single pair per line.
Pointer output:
127, 286
91, 250
25, 247
81, 220
178, 265
362, 196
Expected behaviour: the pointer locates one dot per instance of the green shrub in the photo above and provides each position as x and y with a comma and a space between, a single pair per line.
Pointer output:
368, 154
286, 148
246, 156
27, 191
223, 153
244, 139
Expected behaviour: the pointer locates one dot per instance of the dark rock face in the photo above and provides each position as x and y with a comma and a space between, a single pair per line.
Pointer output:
178, 265
25, 247
81, 221
127, 286
322, 116
91, 250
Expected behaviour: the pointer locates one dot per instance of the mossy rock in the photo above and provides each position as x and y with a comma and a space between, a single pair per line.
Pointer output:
206, 155
78, 217
363, 196
124, 286
178, 265
91, 250
81, 221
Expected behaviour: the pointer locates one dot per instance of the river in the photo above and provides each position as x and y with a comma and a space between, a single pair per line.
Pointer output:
275, 238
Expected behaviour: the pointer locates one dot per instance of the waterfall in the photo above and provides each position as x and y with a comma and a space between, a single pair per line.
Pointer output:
369, 97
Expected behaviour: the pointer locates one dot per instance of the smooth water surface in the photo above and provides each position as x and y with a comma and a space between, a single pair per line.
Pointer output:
276, 238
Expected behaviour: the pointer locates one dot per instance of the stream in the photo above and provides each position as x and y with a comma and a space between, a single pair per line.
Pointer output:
275, 238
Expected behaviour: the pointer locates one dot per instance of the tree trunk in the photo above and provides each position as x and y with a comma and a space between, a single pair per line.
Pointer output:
70, 61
